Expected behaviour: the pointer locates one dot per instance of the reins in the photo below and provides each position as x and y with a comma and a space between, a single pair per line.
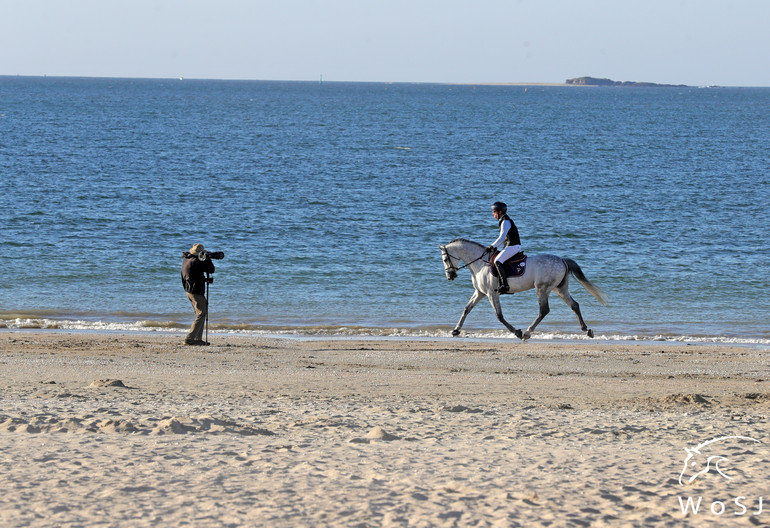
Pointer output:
458, 268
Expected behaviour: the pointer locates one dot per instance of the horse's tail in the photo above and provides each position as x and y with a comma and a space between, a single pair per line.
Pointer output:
592, 288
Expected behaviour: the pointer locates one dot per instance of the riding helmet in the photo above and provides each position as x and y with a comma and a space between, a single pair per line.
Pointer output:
500, 206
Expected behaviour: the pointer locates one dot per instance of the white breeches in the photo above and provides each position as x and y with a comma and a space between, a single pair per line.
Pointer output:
507, 253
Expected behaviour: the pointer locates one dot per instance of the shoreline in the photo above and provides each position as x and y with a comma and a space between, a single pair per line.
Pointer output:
137, 429
325, 332
751, 335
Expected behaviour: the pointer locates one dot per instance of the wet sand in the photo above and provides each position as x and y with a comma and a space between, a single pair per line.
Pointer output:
139, 430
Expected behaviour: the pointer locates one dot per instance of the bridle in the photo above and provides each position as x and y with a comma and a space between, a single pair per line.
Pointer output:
454, 269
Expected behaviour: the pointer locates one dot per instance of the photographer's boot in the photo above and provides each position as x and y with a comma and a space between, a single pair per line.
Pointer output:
504, 288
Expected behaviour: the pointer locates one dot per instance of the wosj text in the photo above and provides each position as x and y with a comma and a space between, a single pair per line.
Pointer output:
735, 506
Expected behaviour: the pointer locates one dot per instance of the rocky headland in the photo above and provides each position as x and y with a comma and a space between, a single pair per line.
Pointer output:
593, 81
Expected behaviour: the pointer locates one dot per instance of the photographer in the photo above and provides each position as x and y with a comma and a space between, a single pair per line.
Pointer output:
194, 270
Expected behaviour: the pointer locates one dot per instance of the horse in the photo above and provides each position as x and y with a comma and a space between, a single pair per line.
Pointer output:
543, 272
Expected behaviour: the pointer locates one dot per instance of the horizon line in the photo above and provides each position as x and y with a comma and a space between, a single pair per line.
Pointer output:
321, 80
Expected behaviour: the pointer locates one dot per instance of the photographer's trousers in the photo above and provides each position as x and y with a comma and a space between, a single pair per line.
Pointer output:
201, 307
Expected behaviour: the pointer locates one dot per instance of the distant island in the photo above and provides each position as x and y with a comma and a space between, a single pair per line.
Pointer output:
593, 81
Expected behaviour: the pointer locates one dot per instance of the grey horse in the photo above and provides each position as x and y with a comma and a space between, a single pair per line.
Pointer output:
544, 272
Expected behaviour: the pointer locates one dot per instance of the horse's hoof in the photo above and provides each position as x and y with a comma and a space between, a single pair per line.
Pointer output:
455, 333
526, 336
518, 334
590, 333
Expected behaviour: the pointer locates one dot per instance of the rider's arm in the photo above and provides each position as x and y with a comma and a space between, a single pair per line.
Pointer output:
504, 227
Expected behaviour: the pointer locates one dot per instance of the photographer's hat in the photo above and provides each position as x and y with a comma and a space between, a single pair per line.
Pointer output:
197, 248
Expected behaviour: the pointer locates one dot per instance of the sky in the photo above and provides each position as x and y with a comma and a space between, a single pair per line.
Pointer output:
693, 42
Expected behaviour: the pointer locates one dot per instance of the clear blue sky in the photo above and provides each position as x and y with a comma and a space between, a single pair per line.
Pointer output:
696, 42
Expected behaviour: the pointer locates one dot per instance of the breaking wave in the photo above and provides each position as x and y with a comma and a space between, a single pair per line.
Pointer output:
27, 322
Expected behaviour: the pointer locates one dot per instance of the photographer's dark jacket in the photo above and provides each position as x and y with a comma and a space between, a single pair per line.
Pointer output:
193, 274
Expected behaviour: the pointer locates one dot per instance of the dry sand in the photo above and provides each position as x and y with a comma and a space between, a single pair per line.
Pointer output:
139, 430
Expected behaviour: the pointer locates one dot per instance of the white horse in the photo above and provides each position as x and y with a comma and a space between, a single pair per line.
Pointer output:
543, 272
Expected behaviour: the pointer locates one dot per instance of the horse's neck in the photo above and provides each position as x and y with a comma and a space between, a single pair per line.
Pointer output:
470, 253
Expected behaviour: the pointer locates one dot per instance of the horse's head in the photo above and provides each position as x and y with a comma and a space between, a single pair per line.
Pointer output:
450, 263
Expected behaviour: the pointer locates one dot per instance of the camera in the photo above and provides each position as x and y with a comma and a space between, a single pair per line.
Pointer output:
205, 255
214, 255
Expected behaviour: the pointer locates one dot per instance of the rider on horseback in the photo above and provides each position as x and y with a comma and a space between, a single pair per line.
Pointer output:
509, 237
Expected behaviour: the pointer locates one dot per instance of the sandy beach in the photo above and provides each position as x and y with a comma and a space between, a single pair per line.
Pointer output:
139, 430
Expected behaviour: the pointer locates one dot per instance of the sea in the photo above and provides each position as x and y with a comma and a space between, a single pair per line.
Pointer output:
330, 199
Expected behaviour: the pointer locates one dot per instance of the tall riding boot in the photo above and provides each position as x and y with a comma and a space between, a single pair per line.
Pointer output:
503, 279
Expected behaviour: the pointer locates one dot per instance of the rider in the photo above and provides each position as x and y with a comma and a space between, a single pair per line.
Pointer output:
509, 237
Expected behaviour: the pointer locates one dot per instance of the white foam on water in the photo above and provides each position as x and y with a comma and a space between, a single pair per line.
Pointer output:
334, 331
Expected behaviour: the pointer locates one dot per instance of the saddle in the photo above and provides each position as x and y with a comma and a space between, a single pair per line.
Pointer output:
514, 266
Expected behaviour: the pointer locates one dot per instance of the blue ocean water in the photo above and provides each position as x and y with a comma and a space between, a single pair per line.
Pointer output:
329, 201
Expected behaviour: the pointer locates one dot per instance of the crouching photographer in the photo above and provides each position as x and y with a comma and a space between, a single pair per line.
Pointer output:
196, 268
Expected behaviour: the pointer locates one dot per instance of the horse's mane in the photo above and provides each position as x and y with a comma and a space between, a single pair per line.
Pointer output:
466, 240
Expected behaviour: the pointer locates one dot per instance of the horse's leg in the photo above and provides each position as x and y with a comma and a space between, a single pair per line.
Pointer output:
542, 299
474, 300
494, 299
563, 292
